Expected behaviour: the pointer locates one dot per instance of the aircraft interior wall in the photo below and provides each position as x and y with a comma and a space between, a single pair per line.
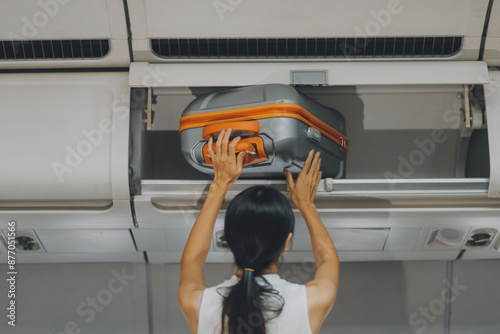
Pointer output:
376, 297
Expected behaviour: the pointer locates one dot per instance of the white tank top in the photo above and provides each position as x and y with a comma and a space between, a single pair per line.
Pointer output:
294, 317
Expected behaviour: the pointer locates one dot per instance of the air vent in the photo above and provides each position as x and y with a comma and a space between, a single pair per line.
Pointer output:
54, 49
280, 48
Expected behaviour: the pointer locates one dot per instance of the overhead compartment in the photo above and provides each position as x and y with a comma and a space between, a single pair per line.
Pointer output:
310, 31
416, 163
63, 34
64, 144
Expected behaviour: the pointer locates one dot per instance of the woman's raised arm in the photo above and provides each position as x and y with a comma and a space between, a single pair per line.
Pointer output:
227, 169
322, 290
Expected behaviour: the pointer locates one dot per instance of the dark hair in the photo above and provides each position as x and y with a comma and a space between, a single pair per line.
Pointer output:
257, 224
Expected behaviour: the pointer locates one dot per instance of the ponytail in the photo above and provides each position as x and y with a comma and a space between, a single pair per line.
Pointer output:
258, 221
243, 308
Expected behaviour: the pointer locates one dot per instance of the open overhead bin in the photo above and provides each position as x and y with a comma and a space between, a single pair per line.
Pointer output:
63, 34
64, 144
311, 31
421, 165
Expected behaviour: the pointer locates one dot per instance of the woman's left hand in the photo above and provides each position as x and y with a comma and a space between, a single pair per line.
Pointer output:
227, 165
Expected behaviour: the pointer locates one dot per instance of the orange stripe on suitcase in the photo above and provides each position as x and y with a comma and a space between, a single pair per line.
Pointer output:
260, 112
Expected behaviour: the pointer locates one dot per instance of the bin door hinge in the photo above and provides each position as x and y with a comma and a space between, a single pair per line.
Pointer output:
149, 113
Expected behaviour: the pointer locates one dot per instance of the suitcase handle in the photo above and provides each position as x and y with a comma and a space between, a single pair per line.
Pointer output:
212, 130
254, 146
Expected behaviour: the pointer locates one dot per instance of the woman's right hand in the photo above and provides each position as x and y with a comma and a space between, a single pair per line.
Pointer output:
303, 190
227, 163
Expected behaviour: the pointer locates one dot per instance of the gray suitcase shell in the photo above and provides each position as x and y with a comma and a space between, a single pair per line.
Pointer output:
287, 141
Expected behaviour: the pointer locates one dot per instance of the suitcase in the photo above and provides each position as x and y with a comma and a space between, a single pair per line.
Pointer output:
278, 126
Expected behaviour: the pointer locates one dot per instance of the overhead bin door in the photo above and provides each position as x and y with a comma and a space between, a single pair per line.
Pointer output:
309, 30
57, 33
64, 144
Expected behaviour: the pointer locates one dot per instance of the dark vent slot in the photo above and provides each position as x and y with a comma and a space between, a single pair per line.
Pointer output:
54, 49
269, 48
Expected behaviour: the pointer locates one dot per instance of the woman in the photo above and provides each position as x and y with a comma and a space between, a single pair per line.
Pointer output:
258, 228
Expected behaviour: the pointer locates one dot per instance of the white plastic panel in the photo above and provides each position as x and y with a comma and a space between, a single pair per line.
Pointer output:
93, 241
150, 239
64, 144
481, 255
83, 257
64, 136
3, 246
150, 216
118, 215
339, 74
492, 51
364, 256
297, 18
347, 239
173, 239
64, 19
494, 24
492, 97
175, 257
311, 18
492, 45
307, 256
409, 217
402, 238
